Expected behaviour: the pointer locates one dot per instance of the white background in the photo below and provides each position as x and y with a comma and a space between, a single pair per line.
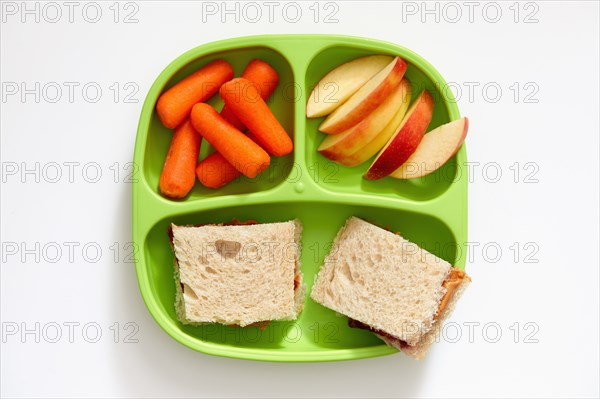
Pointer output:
558, 134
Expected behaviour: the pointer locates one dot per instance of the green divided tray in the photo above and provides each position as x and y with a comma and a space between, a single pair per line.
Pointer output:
430, 211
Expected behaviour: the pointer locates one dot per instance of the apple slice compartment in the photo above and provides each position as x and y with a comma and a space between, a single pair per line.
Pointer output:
431, 212
335, 177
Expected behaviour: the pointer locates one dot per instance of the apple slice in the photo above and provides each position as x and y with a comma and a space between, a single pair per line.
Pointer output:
366, 99
338, 146
405, 141
436, 148
340, 83
363, 154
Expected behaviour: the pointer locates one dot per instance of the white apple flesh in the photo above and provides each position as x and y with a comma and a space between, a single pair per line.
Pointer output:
342, 82
366, 99
436, 148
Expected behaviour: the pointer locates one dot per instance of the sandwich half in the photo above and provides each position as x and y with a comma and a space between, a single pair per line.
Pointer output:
239, 274
388, 285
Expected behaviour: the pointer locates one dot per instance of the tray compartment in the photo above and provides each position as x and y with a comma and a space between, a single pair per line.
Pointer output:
340, 178
281, 103
317, 328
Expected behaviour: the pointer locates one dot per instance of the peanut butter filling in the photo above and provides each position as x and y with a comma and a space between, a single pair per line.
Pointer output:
455, 277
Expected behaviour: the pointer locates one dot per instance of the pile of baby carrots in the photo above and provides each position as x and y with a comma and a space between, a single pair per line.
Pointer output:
183, 108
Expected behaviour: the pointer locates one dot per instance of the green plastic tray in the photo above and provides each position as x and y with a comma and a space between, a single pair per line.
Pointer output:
430, 211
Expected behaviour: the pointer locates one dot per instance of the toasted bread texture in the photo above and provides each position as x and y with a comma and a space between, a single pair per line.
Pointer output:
238, 275
382, 280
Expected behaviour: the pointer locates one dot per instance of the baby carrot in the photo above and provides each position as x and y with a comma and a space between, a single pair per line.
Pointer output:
177, 177
266, 80
175, 104
240, 151
242, 96
215, 171
263, 74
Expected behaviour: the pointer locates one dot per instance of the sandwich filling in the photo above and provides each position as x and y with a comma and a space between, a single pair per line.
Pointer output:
455, 277
451, 284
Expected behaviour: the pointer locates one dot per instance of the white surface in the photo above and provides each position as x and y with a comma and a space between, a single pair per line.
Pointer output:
559, 213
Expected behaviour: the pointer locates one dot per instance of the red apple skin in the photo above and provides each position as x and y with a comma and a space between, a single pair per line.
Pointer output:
406, 141
372, 101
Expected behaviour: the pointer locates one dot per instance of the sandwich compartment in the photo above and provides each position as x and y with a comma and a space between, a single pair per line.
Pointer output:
430, 211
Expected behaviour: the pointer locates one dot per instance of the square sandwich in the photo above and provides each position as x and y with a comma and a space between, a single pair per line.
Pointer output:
388, 285
238, 274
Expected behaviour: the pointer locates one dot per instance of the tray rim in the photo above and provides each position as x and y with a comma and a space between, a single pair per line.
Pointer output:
266, 41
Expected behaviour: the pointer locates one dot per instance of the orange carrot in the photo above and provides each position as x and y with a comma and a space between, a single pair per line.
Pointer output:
263, 75
215, 171
266, 80
240, 151
175, 104
242, 96
177, 177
